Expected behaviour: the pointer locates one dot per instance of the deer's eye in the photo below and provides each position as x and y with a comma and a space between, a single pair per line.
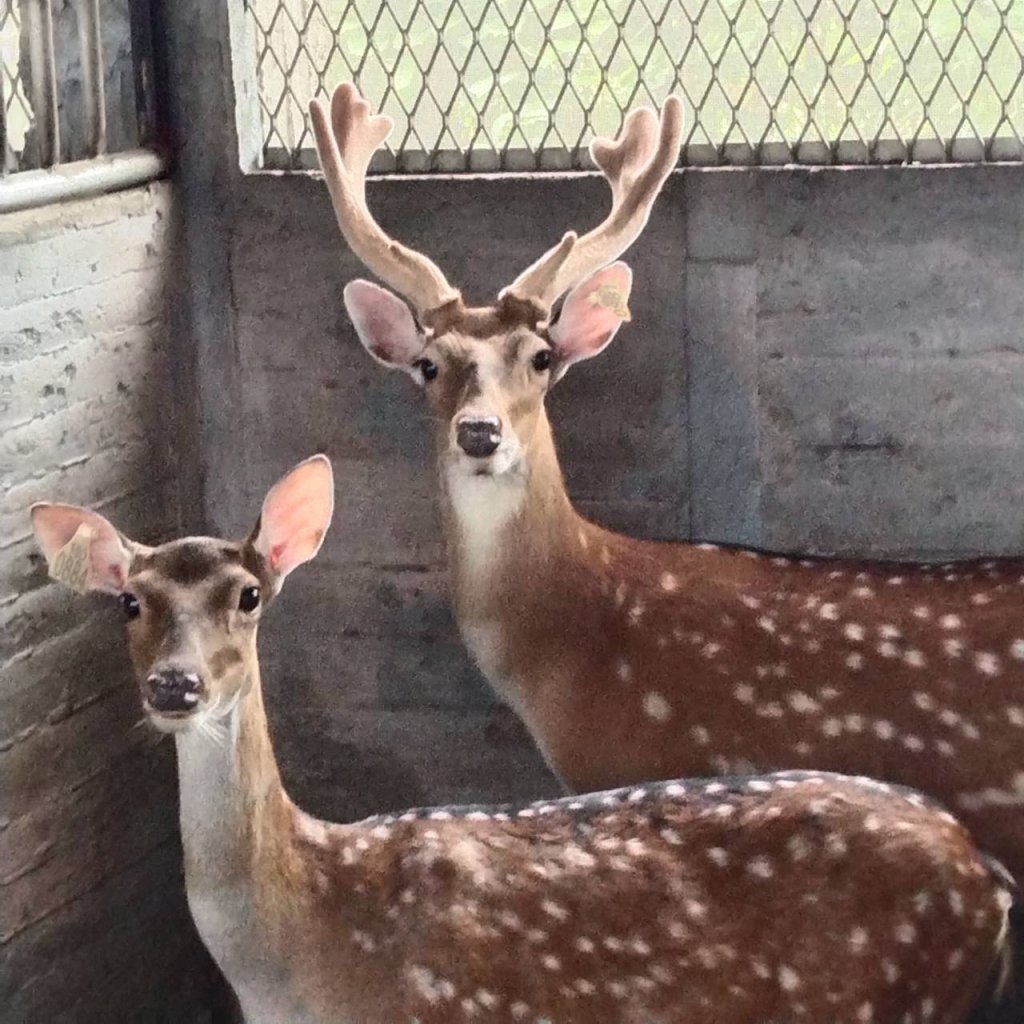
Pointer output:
249, 599
427, 368
130, 604
542, 360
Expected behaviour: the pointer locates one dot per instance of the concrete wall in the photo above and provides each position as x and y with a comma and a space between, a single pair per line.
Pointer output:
93, 921
818, 361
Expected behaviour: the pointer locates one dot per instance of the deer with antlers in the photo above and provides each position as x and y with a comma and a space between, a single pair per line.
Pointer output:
632, 660
740, 901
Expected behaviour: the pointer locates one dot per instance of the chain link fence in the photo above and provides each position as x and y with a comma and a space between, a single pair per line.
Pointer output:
491, 85
15, 111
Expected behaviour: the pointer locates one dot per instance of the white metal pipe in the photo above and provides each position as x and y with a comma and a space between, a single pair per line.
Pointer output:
80, 180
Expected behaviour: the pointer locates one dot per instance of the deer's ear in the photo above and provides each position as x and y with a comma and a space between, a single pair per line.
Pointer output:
591, 314
384, 324
82, 548
296, 513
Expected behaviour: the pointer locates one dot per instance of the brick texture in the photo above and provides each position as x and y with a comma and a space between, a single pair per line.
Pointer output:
93, 921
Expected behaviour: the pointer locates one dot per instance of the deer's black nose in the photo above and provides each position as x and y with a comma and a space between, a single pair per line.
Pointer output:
478, 436
172, 691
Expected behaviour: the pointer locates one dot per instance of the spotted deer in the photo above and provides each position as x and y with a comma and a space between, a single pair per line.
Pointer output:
740, 901
631, 660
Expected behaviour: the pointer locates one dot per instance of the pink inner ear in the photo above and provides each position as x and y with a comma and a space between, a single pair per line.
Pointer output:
295, 516
277, 556
384, 324
108, 558
592, 313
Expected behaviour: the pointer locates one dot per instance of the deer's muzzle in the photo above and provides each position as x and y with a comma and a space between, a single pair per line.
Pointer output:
478, 436
173, 692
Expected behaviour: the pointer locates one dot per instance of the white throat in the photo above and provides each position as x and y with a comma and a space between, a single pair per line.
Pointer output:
215, 813
483, 506
209, 787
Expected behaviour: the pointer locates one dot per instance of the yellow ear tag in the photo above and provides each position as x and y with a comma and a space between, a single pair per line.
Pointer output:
611, 297
71, 565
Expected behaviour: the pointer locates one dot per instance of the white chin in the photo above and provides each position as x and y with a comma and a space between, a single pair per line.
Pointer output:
171, 723
501, 462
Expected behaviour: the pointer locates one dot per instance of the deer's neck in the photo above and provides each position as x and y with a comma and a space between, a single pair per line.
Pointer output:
231, 797
499, 524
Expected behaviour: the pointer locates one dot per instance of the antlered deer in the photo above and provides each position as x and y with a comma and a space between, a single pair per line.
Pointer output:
632, 660
740, 901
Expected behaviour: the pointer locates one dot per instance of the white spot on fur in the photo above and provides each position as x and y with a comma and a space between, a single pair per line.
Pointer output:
853, 631
656, 707
695, 910
883, 729
829, 611
924, 701
669, 582
1013, 796
954, 648
950, 622
789, 980
718, 856
700, 735
802, 704
986, 663
855, 661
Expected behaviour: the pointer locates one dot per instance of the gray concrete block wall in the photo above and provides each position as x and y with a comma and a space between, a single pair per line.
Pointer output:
818, 361
93, 921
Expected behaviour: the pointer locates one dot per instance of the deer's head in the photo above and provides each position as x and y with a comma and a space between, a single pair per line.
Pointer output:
487, 369
193, 605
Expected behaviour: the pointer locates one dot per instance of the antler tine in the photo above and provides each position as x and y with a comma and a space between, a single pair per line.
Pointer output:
636, 165
631, 150
346, 139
